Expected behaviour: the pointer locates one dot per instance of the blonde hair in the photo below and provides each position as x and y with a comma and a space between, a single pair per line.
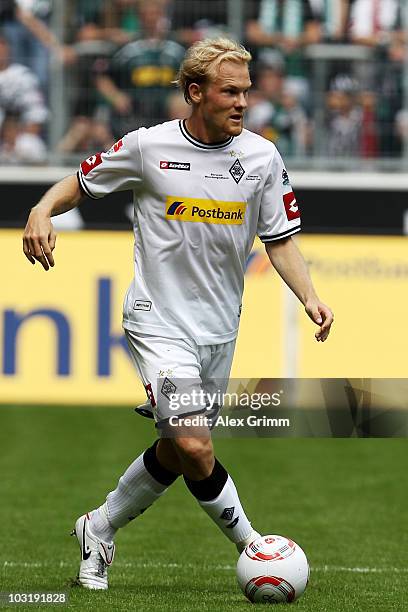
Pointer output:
203, 59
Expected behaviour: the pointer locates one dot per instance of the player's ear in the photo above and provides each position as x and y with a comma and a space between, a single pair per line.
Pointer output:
196, 92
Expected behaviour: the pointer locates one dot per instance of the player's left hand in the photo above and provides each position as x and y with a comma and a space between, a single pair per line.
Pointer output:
322, 316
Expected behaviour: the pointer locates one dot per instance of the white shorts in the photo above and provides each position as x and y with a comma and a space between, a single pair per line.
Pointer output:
172, 367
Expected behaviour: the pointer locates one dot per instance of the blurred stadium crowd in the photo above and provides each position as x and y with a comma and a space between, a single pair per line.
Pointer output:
327, 78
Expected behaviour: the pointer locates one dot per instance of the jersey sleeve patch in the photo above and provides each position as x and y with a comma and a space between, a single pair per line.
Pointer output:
291, 206
91, 163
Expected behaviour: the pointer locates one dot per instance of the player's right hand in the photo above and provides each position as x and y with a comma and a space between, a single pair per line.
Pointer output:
39, 239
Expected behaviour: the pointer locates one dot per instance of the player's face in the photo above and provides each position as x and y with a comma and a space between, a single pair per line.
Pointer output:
225, 100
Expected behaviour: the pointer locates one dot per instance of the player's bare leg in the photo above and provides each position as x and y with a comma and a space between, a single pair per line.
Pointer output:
167, 456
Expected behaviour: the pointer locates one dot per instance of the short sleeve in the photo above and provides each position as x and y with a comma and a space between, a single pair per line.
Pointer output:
279, 214
119, 169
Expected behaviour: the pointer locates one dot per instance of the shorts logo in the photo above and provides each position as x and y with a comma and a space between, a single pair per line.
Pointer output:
196, 210
168, 165
142, 305
237, 171
177, 208
291, 207
91, 163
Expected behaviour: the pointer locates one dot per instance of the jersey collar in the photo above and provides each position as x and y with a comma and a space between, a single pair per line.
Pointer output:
198, 143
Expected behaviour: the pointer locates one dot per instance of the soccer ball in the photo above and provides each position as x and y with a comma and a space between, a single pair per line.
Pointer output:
273, 569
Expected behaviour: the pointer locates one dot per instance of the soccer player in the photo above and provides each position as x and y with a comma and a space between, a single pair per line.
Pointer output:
203, 189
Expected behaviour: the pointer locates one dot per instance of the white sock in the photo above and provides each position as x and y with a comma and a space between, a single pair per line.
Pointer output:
100, 525
227, 512
244, 543
136, 491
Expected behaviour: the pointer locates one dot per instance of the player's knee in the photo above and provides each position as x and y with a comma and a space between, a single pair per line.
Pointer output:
193, 448
197, 452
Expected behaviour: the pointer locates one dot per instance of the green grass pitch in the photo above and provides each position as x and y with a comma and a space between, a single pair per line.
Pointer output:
343, 501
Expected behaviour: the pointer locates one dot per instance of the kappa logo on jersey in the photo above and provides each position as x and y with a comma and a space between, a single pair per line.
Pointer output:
91, 163
285, 177
291, 206
168, 165
205, 211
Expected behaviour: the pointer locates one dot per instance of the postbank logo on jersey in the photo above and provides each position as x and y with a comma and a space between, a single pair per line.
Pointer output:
198, 210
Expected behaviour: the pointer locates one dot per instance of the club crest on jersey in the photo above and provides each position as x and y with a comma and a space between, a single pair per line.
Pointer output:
198, 210
169, 165
237, 171
168, 388
291, 206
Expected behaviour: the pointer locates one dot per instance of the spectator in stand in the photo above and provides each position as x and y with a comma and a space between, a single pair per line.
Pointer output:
121, 20
9, 22
375, 22
177, 107
25, 24
401, 130
86, 20
333, 17
141, 73
282, 30
379, 25
35, 37
22, 112
276, 114
192, 20
112, 20
390, 94
89, 128
97, 24
344, 118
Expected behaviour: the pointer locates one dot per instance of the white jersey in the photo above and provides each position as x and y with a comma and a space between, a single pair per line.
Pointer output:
198, 208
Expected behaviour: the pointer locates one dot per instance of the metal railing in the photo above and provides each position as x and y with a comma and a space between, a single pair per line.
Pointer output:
341, 94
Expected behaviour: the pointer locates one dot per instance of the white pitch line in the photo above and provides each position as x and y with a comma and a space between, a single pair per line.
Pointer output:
229, 568
361, 570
